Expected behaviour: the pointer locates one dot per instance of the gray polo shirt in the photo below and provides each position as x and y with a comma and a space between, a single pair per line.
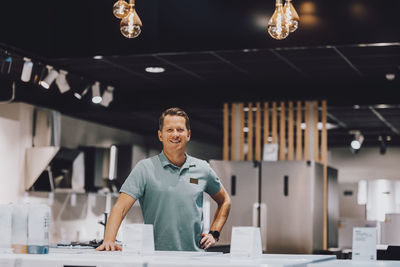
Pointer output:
171, 199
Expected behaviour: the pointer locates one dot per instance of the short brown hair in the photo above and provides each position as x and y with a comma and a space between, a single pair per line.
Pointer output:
173, 112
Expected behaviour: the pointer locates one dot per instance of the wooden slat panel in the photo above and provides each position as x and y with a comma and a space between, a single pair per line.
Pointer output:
274, 124
306, 141
226, 132
282, 133
290, 132
250, 133
233, 131
299, 132
316, 132
257, 155
324, 133
241, 132
324, 158
266, 122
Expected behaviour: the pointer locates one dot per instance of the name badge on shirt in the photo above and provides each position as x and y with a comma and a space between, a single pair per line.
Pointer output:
194, 181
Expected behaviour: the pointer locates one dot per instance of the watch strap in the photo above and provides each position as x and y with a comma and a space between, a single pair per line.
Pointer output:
215, 234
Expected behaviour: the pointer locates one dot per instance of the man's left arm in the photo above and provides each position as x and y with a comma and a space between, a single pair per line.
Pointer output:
221, 215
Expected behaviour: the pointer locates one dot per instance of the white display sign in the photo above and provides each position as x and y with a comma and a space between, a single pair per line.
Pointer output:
270, 152
364, 243
138, 239
5, 227
246, 242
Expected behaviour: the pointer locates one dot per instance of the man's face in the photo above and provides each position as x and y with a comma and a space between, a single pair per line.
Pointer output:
174, 134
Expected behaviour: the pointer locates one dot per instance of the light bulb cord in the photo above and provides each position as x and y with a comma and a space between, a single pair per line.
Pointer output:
132, 2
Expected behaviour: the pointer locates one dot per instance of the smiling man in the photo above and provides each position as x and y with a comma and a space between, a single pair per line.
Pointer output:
170, 189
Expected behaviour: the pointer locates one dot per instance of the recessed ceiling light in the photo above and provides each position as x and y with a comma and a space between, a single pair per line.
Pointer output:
382, 106
155, 69
390, 76
98, 57
356, 106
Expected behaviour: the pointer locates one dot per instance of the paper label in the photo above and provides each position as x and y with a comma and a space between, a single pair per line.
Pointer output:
246, 242
364, 243
5, 226
138, 239
270, 152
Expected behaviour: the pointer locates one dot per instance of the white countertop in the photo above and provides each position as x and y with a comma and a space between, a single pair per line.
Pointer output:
351, 263
90, 257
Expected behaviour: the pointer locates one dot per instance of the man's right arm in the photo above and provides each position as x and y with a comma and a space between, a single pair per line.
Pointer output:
118, 213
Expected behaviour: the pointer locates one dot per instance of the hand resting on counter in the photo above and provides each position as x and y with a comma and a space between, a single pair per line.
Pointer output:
207, 241
109, 246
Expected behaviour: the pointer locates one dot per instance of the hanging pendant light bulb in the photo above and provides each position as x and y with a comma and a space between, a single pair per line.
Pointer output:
292, 18
120, 9
277, 26
131, 23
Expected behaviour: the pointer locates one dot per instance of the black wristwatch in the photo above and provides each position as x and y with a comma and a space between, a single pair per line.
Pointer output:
215, 234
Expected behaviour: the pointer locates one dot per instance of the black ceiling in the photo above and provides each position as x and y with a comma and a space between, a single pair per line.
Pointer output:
213, 52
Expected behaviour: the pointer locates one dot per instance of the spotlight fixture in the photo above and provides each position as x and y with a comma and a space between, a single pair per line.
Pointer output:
96, 97
357, 141
383, 141
62, 82
155, 69
26, 70
51, 76
131, 24
81, 92
6, 65
382, 145
39, 76
107, 96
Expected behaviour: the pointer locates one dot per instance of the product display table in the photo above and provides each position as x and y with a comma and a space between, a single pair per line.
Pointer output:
265, 260
61, 257
91, 258
351, 263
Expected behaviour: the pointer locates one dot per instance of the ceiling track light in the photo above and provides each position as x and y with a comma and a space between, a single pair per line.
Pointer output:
107, 96
131, 25
51, 76
284, 20
357, 141
62, 82
82, 90
96, 97
27, 70
6, 65
382, 145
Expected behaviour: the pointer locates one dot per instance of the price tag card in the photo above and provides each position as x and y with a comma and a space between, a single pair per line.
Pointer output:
246, 242
270, 152
138, 239
364, 243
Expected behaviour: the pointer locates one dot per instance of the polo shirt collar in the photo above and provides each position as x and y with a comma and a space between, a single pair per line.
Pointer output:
165, 162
